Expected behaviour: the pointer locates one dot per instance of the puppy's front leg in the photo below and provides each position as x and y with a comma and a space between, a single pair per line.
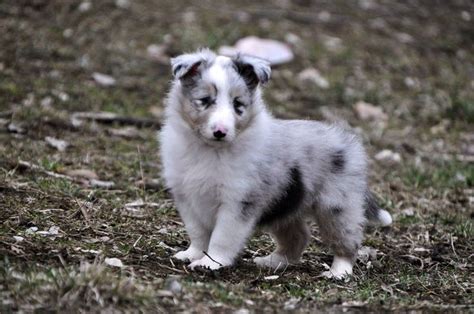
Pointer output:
230, 234
198, 233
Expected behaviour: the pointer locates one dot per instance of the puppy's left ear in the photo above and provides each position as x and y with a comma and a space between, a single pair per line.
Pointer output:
188, 67
253, 70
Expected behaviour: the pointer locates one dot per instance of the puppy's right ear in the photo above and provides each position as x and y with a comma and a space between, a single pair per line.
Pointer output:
188, 67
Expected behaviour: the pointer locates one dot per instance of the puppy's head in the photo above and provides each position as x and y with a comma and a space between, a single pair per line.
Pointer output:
218, 96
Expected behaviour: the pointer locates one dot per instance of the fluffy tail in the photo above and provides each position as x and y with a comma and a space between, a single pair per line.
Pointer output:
376, 215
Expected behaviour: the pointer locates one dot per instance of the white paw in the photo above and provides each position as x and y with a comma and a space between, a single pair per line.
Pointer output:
191, 254
335, 275
341, 267
275, 261
208, 263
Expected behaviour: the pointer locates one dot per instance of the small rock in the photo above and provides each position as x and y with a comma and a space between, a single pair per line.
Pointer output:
31, 230
366, 253
409, 212
366, 4
389, 157
333, 44
125, 132
366, 111
113, 261
411, 82
14, 128
63, 96
85, 6
271, 50
173, 285
18, 238
54, 230
460, 177
324, 16
102, 184
404, 38
293, 39
313, 76
466, 16
124, 4
60, 145
103, 79
242, 311
272, 277
290, 305
68, 32
157, 52
82, 173
46, 102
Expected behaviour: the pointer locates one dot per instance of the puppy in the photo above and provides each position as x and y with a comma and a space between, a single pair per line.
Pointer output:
232, 167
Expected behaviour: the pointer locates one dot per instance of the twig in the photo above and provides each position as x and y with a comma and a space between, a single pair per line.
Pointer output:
205, 253
452, 245
110, 118
40, 169
136, 242
84, 213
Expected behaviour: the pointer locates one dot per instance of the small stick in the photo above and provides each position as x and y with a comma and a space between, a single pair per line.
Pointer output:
205, 253
452, 245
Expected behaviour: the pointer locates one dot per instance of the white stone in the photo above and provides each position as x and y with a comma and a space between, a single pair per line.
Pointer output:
271, 50
103, 79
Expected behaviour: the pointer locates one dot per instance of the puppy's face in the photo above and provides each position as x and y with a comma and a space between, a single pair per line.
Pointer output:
217, 93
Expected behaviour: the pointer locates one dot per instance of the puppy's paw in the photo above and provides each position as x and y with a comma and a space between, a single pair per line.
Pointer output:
274, 261
191, 254
340, 269
335, 275
207, 263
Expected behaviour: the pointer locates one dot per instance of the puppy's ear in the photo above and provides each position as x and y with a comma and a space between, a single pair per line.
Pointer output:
188, 67
252, 69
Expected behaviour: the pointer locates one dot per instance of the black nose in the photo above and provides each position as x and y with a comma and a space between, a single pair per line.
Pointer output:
218, 134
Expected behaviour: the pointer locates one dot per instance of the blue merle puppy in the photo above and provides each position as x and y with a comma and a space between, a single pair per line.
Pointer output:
233, 167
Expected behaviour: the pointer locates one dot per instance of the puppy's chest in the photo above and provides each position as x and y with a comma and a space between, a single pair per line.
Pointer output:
209, 178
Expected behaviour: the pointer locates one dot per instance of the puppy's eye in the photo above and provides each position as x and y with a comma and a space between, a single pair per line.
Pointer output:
204, 102
238, 106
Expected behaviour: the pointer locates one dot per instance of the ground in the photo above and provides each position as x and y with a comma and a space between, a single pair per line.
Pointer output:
412, 59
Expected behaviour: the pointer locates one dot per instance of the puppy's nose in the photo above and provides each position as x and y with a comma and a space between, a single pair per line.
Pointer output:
219, 134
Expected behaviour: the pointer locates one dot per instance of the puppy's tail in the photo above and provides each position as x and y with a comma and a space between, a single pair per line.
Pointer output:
376, 216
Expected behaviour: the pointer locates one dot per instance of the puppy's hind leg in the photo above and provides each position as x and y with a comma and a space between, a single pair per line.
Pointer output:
342, 229
291, 239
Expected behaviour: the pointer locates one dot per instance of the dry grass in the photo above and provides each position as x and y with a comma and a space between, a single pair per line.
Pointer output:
412, 58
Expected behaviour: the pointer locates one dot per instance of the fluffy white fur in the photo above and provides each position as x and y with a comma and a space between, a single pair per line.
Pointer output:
232, 167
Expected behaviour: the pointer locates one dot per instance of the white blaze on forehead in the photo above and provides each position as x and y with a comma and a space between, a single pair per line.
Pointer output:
222, 116
218, 74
